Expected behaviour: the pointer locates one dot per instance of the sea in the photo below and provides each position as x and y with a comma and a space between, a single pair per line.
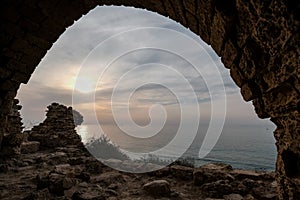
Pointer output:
249, 147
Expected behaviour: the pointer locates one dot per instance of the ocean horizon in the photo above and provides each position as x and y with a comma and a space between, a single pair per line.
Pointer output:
250, 147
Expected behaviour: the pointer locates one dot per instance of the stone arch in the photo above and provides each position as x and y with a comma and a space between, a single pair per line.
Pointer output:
257, 40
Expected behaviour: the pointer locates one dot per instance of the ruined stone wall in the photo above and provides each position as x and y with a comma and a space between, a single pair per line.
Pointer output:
57, 130
12, 137
257, 40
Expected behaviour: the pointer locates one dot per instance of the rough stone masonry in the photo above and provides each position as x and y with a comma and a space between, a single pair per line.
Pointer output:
259, 41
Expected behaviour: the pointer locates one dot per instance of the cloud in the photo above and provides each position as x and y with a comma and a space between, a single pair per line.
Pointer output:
36, 97
53, 79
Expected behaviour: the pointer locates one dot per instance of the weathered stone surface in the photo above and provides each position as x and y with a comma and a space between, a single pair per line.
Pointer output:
250, 91
160, 188
49, 175
288, 157
30, 147
233, 197
243, 174
82, 195
108, 178
57, 130
217, 189
249, 197
94, 166
212, 172
13, 136
182, 172
41, 194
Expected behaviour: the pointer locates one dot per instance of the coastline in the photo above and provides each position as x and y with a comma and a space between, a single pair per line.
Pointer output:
71, 173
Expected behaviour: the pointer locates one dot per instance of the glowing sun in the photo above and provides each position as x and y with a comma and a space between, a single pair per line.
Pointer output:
84, 85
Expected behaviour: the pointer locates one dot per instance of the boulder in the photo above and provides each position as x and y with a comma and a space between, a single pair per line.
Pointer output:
69, 182
212, 172
158, 188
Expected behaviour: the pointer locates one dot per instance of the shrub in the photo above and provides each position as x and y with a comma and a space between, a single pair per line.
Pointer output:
103, 148
77, 117
185, 161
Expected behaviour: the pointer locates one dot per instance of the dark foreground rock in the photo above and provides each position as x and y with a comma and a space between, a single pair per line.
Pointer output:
158, 188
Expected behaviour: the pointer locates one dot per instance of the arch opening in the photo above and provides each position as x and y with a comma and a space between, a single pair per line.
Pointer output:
65, 60
270, 80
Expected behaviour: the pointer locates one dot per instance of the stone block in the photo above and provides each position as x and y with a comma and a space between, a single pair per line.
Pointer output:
30, 147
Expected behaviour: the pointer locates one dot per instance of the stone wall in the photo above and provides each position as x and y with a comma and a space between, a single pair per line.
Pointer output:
57, 130
13, 136
257, 40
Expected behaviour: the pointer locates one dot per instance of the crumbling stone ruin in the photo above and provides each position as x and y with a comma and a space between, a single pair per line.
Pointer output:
13, 136
57, 130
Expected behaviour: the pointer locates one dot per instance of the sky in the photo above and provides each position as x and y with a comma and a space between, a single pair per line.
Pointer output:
116, 59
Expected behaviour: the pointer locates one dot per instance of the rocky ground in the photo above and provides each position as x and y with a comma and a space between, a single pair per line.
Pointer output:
71, 173
50, 162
